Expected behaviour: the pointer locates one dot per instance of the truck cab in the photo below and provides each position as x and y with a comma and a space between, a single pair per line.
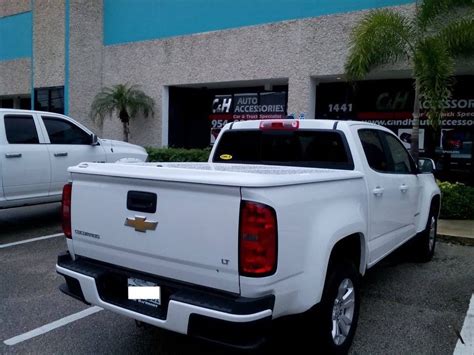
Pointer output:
37, 148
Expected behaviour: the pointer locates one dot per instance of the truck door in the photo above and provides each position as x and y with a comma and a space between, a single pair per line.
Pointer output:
26, 171
391, 193
404, 172
69, 146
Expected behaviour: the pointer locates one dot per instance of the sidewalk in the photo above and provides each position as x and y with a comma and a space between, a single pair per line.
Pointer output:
456, 231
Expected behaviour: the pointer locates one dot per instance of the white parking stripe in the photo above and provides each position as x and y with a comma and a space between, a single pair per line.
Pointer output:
30, 240
467, 333
50, 326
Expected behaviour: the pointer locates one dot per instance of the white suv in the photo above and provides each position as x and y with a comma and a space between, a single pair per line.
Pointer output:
36, 148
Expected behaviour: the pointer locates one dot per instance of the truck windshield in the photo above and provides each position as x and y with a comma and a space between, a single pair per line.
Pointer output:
304, 148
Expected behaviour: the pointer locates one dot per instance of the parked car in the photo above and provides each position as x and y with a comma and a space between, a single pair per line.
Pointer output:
283, 220
36, 149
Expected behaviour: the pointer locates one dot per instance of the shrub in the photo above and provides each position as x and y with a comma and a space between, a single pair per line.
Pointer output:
457, 201
177, 154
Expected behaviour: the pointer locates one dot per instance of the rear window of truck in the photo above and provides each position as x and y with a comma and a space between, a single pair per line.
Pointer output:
303, 148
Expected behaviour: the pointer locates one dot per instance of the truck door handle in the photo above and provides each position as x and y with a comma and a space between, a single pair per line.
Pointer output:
378, 191
403, 188
63, 154
13, 155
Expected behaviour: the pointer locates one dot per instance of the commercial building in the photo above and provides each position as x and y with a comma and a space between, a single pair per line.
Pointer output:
208, 62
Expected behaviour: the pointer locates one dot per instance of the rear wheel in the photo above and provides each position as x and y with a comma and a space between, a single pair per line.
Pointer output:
339, 311
426, 242
329, 327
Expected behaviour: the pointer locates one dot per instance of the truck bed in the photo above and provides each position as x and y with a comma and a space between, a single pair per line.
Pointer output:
197, 215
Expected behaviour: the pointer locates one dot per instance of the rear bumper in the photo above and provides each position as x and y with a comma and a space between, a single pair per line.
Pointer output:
204, 313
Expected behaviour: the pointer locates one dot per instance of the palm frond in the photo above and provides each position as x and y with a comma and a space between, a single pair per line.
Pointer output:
382, 37
430, 10
102, 105
434, 68
119, 98
139, 101
459, 37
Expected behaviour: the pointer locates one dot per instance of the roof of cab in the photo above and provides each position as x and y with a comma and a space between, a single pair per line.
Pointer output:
17, 110
307, 123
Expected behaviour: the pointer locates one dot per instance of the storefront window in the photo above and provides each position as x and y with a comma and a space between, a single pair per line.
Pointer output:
17, 102
196, 115
50, 99
6, 103
25, 103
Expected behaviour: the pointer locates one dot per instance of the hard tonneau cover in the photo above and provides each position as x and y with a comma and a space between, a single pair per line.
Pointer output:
243, 175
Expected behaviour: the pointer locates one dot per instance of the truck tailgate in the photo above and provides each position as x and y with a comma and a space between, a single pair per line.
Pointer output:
195, 240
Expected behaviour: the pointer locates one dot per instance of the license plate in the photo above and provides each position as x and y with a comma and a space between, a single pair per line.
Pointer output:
144, 292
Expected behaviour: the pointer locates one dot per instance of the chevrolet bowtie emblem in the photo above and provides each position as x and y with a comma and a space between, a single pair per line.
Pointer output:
140, 224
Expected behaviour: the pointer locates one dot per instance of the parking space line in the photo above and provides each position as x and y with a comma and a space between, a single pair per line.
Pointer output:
30, 240
53, 325
466, 347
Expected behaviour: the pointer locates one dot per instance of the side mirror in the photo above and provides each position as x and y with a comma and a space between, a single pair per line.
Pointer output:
94, 139
426, 166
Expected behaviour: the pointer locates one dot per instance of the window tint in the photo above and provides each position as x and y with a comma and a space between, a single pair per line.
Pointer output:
401, 162
64, 132
373, 149
7, 103
25, 103
20, 130
308, 148
50, 99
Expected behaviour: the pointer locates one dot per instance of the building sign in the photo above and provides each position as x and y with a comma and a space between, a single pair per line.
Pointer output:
405, 136
457, 141
221, 104
390, 103
245, 106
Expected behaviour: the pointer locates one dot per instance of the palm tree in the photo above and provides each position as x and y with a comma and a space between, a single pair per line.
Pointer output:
125, 100
439, 32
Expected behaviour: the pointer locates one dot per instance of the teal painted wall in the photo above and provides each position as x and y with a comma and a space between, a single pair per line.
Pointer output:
138, 20
15, 36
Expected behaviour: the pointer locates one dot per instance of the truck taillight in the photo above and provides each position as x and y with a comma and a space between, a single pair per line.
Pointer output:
257, 239
66, 210
282, 125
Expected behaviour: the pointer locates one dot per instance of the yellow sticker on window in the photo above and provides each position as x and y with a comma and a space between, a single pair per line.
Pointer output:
226, 157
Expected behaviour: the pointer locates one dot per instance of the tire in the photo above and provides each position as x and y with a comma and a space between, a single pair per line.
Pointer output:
339, 308
425, 242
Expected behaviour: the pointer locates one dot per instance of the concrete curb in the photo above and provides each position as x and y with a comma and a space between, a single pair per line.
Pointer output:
455, 239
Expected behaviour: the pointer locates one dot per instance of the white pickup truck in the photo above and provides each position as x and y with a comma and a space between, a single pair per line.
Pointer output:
283, 219
36, 149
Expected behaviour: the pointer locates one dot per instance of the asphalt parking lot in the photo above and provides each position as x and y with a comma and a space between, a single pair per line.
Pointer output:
407, 308
23, 223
